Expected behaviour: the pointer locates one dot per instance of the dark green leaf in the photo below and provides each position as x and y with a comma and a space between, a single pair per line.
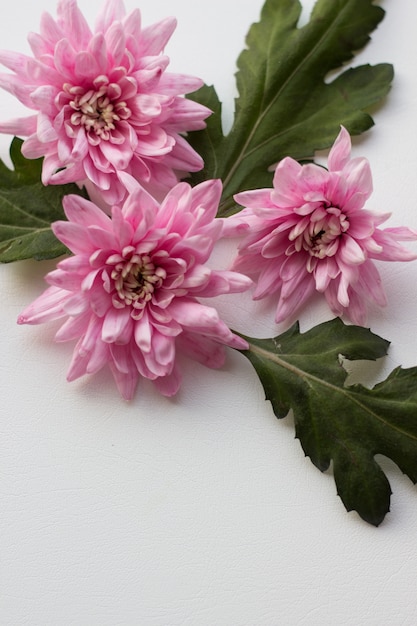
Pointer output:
207, 142
348, 425
27, 209
285, 106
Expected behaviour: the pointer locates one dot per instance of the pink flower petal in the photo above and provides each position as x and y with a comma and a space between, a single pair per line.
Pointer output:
268, 282
13, 60
86, 66
286, 192
358, 176
73, 236
78, 365
132, 23
357, 309
202, 349
221, 282
391, 250
118, 155
182, 156
370, 284
43, 98
351, 252
340, 153
45, 131
72, 20
80, 146
112, 11
20, 126
143, 334
194, 315
289, 306
51, 32
73, 327
205, 198
184, 113
48, 306
65, 57
38, 45
126, 383
114, 323
323, 274
32, 148
99, 357
116, 42
163, 348
67, 281
174, 84
154, 38
98, 49
168, 385
343, 291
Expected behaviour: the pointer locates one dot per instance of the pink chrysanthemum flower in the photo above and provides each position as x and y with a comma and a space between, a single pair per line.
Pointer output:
311, 233
129, 293
103, 101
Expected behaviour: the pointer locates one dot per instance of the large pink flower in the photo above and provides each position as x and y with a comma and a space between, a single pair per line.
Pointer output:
104, 101
311, 232
129, 293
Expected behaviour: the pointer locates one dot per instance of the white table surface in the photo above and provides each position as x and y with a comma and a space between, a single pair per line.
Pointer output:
202, 510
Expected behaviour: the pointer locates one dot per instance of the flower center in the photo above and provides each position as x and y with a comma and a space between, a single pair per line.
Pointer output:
320, 232
97, 109
134, 279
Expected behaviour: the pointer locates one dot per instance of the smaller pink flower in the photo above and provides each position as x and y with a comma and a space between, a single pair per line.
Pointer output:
311, 233
103, 102
129, 295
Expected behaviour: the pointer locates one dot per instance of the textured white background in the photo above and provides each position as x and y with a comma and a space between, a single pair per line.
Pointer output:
202, 510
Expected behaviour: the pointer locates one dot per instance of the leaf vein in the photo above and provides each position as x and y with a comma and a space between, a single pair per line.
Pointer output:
307, 377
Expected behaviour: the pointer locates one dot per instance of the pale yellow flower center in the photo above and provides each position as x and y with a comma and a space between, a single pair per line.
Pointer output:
319, 233
96, 110
134, 279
